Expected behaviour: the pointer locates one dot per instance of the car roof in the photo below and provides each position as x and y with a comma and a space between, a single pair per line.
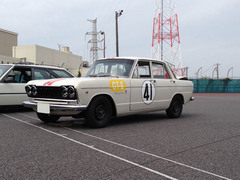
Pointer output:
33, 65
133, 58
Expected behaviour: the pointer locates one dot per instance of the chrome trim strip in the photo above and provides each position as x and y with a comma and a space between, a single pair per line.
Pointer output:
57, 108
54, 100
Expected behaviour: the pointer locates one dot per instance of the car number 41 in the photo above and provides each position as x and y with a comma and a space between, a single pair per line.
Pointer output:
148, 92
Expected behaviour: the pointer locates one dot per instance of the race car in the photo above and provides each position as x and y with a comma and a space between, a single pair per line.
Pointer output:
112, 87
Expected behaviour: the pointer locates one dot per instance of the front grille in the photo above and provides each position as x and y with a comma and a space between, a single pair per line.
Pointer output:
50, 92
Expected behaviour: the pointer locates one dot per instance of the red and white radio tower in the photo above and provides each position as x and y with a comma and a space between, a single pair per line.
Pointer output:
165, 37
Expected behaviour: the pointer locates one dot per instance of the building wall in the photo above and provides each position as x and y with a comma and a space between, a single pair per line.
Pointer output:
8, 60
28, 52
10, 52
8, 39
42, 55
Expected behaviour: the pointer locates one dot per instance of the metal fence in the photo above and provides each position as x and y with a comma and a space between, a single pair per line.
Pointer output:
216, 86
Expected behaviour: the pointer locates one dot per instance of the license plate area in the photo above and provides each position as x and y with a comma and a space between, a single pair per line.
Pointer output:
43, 108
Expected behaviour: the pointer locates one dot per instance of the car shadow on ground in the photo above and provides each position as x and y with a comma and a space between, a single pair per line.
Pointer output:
14, 109
120, 121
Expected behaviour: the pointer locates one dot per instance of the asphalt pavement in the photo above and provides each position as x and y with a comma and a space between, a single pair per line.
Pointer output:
204, 143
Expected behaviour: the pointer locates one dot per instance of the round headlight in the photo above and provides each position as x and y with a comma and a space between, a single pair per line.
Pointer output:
64, 92
34, 90
71, 92
28, 90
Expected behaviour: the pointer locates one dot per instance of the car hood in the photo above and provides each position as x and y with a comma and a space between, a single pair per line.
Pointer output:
83, 82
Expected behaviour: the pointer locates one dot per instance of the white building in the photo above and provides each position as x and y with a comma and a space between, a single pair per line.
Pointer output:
41, 55
10, 52
8, 39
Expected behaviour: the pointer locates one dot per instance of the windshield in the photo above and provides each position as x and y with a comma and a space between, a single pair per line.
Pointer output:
3, 69
111, 67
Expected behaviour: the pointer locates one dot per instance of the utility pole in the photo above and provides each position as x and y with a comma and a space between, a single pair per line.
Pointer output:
117, 14
104, 43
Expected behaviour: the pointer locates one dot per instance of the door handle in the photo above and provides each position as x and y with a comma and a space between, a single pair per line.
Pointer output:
172, 81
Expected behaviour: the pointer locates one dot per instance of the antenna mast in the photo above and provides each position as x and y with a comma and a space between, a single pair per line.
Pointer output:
166, 37
94, 41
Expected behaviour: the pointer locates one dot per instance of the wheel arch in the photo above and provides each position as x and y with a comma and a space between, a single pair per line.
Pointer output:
114, 110
179, 95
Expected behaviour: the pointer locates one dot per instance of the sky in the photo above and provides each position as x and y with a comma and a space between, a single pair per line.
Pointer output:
209, 29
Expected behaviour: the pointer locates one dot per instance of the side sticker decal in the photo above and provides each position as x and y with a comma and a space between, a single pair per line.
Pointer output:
117, 85
148, 92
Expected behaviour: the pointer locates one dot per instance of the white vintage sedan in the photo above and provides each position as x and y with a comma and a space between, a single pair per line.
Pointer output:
112, 87
13, 78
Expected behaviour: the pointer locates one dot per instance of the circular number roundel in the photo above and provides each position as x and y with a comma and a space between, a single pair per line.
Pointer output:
148, 92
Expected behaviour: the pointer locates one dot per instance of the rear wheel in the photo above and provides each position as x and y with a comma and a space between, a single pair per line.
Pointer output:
47, 118
99, 112
175, 108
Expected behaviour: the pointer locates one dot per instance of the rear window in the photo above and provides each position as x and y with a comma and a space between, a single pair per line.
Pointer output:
42, 74
61, 73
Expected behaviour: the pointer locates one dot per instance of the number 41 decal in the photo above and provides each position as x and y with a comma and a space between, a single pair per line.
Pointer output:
148, 92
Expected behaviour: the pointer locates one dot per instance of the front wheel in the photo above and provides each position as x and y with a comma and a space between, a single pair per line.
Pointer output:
99, 112
47, 118
175, 108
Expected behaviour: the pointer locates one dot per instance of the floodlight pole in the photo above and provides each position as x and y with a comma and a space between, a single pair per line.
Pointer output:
117, 14
104, 45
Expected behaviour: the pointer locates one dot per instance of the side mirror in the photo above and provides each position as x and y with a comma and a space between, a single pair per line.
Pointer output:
9, 79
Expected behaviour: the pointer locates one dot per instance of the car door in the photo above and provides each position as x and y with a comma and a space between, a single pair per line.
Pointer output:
165, 85
13, 86
142, 87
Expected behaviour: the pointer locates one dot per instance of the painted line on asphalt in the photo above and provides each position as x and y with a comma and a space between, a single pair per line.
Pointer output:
150, 154
143, 152
93, 148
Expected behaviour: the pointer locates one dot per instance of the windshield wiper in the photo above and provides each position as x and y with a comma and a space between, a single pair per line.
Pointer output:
102, 75
107, 75
92, 75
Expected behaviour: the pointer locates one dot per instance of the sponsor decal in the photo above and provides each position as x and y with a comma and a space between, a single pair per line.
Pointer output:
117, 85
148, 92
49, 83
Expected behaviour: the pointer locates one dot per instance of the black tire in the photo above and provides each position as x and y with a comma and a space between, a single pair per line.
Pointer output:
175, 108
47, 118
99, 112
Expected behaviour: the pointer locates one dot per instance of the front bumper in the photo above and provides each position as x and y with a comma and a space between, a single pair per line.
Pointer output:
58, 109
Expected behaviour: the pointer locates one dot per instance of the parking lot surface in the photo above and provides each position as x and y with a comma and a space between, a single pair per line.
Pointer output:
202, 144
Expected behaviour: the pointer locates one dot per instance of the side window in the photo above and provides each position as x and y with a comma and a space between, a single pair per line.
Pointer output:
142, 70
159, 71
20, 75
61, 73
42, 74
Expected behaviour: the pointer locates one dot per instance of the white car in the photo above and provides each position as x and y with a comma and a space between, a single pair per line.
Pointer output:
13, 78
111, 88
